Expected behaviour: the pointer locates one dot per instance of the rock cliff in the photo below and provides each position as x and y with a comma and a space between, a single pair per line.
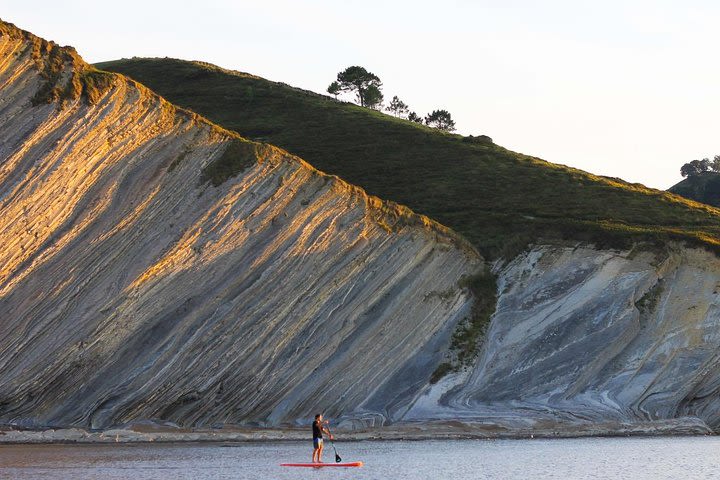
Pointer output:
158, 267
583, 336
155, 266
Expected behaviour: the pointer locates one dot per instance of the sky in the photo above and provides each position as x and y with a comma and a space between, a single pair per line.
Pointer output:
627, 89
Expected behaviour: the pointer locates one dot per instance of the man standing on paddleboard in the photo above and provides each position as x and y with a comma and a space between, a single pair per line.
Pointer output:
318, 427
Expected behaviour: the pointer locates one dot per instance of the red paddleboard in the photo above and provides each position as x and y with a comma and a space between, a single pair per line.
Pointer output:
319, 465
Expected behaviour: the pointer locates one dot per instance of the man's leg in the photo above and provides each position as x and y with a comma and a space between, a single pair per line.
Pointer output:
315, 454
320, 451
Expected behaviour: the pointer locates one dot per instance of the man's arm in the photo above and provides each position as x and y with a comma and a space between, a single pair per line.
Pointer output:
325, 430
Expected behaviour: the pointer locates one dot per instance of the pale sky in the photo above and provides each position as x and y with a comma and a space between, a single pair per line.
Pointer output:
628, 89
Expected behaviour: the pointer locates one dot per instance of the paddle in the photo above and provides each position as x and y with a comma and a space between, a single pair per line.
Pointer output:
337, 457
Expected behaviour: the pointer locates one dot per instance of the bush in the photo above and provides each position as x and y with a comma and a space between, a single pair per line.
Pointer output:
441, 370
238, 155
480, 139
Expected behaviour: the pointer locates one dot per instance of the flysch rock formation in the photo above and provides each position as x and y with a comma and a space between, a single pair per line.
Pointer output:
582, 336
148, 274
157, 268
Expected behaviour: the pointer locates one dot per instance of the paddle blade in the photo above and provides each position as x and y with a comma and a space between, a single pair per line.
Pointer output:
337, 458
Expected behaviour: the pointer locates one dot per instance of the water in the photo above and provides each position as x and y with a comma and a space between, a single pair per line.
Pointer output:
616, 458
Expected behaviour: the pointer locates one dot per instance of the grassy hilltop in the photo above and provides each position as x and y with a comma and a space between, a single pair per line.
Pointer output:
500, 200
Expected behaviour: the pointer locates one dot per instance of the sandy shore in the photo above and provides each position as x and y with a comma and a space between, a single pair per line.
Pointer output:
407, 431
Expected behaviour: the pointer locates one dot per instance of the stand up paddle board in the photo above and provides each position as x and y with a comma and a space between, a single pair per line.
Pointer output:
320, 465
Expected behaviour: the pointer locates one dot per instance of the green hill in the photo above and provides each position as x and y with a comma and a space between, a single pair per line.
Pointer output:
500, 200
704, 188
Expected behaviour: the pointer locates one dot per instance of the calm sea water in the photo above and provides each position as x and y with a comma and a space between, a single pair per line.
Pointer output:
631, 458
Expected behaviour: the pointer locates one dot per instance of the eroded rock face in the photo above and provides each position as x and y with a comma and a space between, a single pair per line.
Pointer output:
134, 285
130, 288
584, 336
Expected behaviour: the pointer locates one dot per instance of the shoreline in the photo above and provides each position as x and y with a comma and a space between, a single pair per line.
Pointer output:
142, 434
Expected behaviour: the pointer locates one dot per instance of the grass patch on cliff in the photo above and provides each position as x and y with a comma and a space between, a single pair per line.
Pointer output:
470, 332
443, 369
51, 61
648, 302
95, 83
66, 76
238, 156
498, 199
468, 335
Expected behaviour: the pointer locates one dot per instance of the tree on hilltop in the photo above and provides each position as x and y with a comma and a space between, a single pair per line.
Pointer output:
705, 164
695, 167
397, 107
441, 120
414, 117
357, 80
334, 89
715, 164
373, 98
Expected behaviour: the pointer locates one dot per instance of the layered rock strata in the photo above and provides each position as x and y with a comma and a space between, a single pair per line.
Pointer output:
583, 336
155, 266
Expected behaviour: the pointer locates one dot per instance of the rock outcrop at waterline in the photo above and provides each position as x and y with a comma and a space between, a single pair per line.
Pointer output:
155, 266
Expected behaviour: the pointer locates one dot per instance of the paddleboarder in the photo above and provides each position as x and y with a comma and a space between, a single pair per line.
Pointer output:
318, 428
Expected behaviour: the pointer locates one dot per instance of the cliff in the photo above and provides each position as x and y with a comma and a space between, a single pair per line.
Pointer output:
582, 337
156, 266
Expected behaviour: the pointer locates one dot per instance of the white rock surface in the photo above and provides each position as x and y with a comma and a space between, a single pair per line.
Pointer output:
583, 336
